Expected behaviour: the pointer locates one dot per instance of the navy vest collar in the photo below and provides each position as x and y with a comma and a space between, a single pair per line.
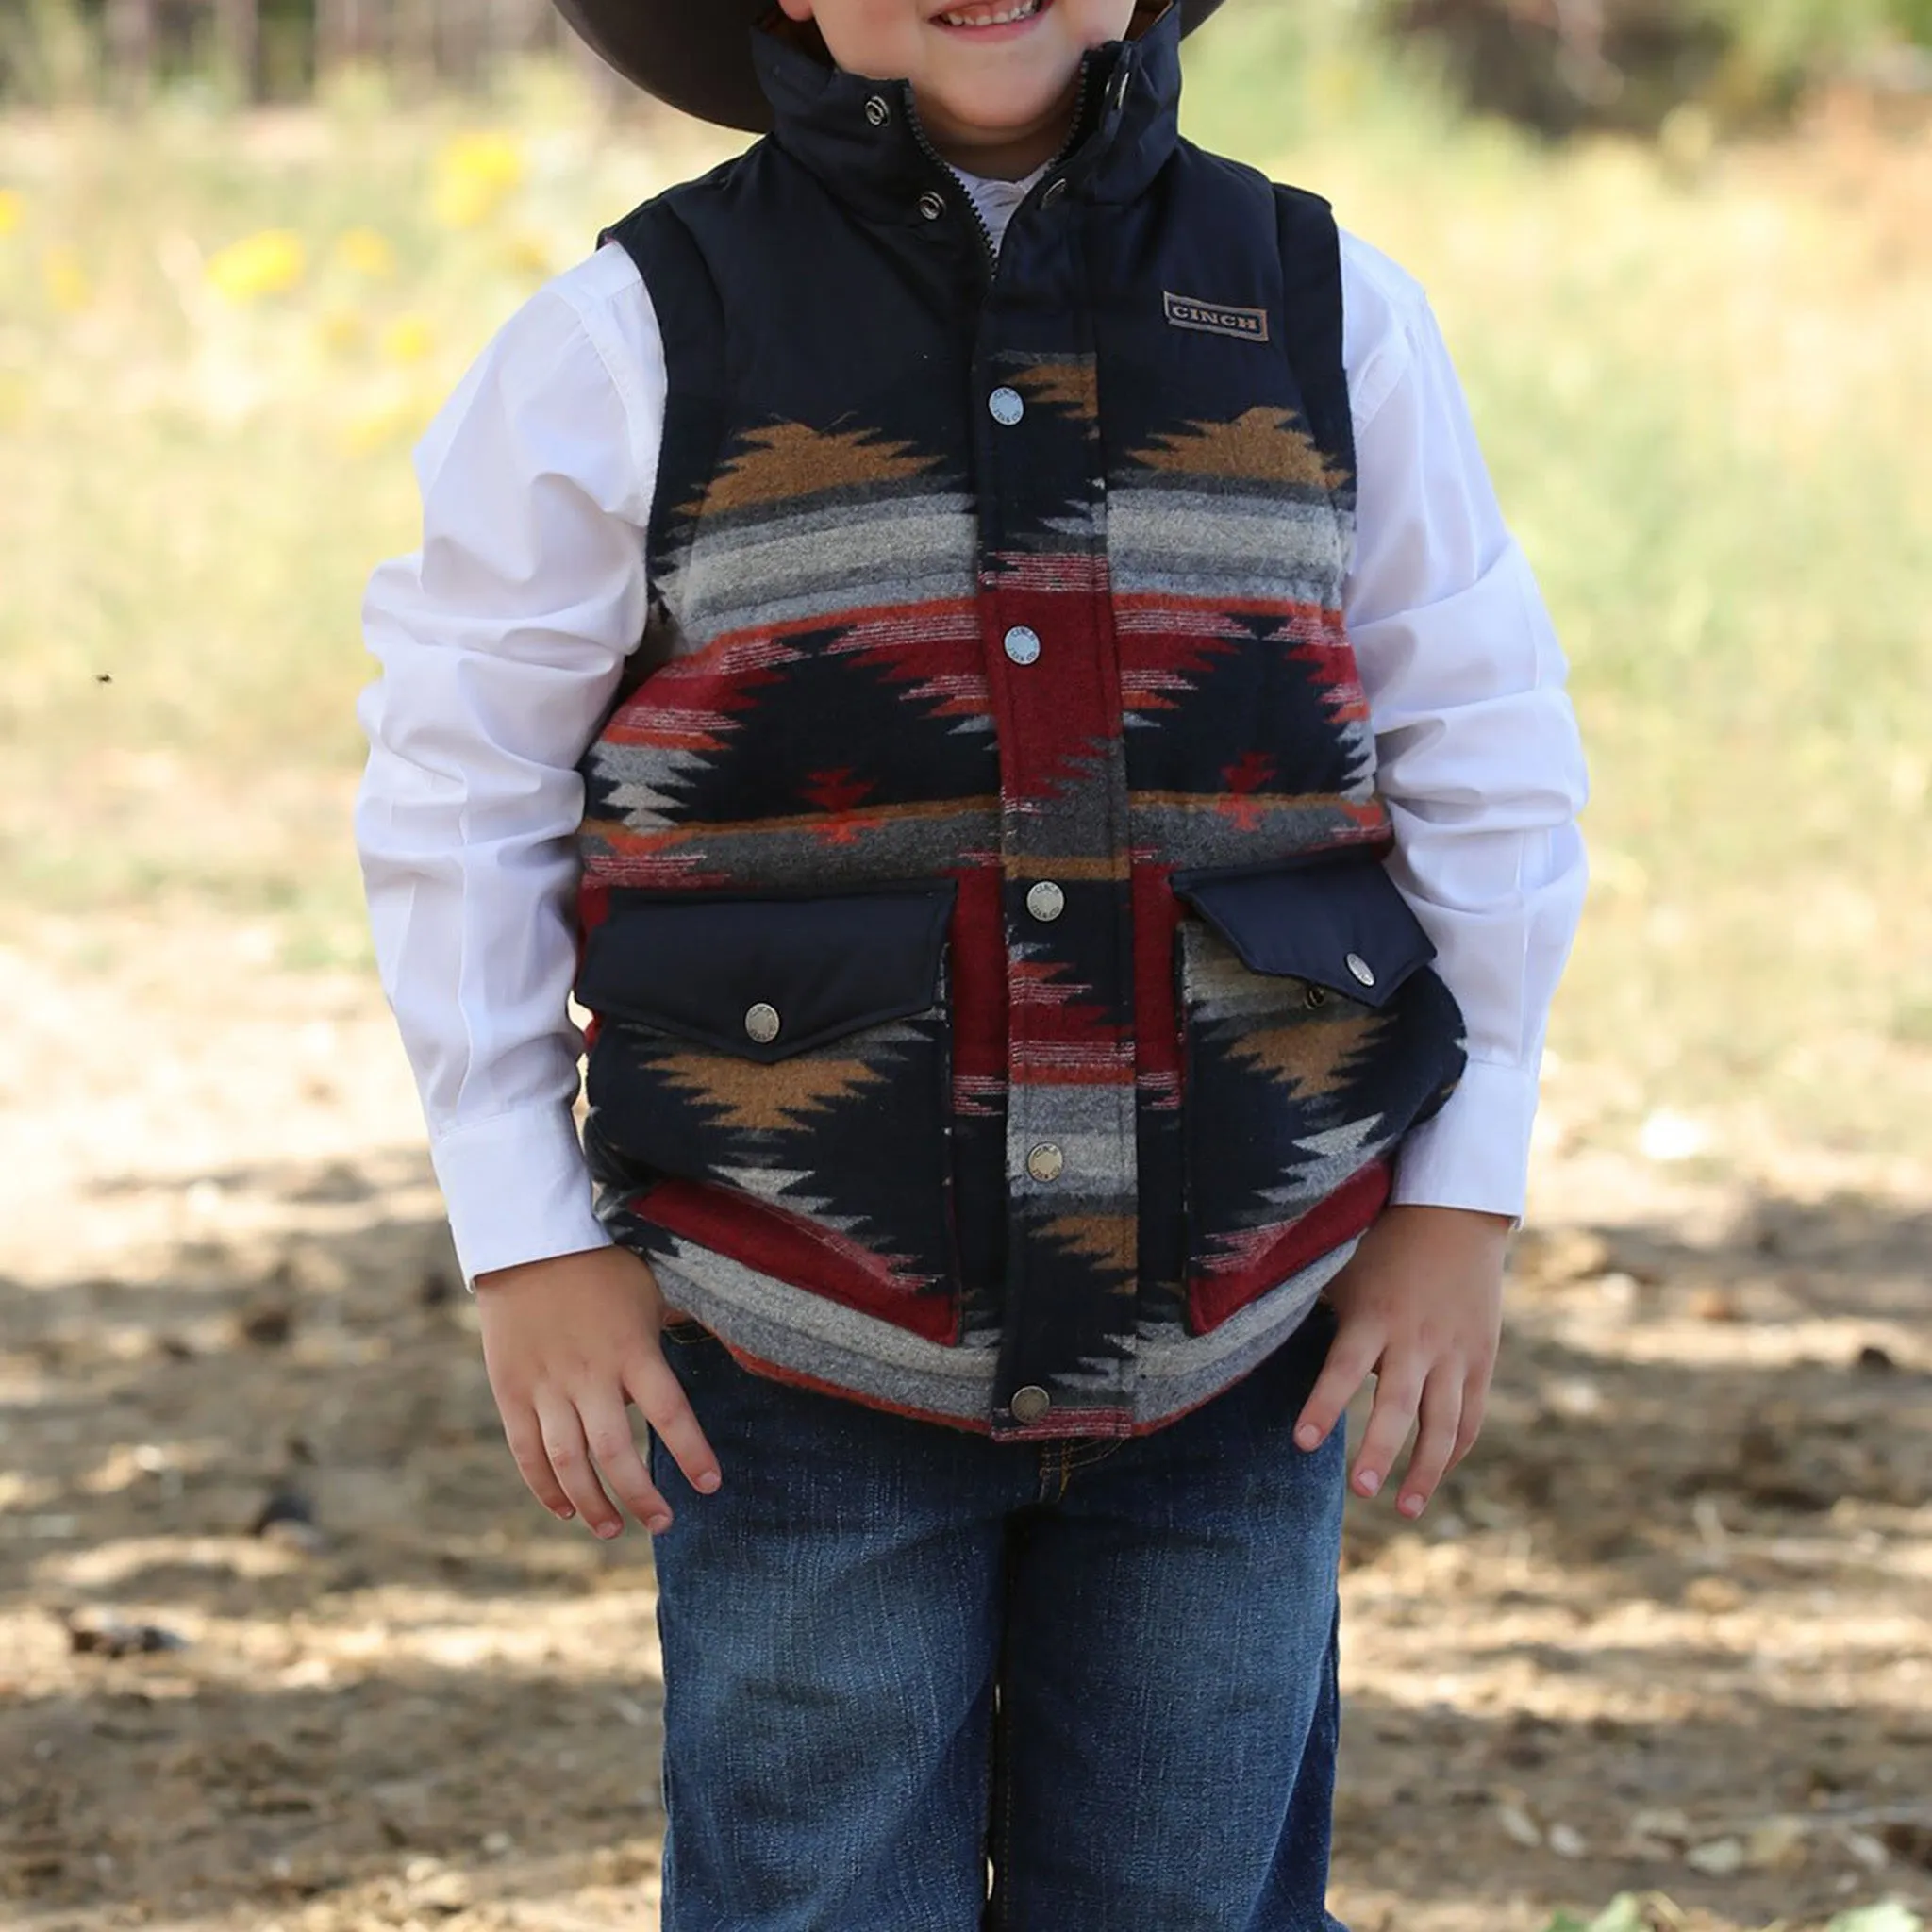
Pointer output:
862, 139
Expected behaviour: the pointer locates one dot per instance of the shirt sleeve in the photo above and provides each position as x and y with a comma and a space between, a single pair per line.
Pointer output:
501, 641
1479, 758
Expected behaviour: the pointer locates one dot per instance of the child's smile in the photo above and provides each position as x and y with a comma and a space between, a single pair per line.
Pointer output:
993, 21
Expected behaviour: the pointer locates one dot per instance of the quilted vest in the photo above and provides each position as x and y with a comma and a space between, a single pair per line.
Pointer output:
1000, 1011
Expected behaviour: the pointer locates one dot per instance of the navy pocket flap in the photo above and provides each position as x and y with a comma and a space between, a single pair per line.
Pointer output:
768, 977
1342, 924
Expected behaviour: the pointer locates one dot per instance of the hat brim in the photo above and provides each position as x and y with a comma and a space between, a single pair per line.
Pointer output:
691, 54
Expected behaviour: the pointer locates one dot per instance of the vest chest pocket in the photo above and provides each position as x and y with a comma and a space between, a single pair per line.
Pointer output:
793, 1051
1315, 1035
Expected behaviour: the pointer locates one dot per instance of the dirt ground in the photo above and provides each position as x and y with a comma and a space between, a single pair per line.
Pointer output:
1669, 1631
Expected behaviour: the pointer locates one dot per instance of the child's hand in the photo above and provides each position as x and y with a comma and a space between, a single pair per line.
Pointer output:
1421, 1304
567, 1343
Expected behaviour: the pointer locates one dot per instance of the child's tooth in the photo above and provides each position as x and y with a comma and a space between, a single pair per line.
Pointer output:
1022, 12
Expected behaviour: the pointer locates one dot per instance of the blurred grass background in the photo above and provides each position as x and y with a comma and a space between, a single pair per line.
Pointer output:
1696, 351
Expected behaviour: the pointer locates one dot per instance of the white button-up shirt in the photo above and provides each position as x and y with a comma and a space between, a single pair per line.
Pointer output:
502, 639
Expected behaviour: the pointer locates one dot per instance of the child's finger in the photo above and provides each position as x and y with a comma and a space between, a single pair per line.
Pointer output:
1476, 1398
660, 1395
1398, 1389
569, 1456
1351, 1357
614, 1450
525, 1439
1435, 1443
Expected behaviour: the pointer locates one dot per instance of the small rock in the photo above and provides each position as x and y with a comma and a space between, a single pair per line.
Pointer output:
1567, 1841
1716, 1305
1777, 1845
266, 1325
1874, 1361
1713, 1595
1718, 1857
1575, 1396
1618, 1291
104, 1634
498, 1842
289, 1517
1672, 1826
435, 1886
1518, 1826
1867, 1850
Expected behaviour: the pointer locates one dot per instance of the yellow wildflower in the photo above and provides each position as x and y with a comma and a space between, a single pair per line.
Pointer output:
475, 174
409, 338
12, 210
529, 256
366, 252
269, 263
341, 331
68, 286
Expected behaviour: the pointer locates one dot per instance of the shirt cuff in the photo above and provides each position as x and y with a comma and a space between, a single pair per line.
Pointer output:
517, 1189
1474, 1152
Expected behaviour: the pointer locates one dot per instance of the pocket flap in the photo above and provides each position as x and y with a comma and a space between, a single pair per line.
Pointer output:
768, 977
1342, 924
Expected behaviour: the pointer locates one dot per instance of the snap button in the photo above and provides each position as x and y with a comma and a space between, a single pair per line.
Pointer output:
877, 111
1314, 995
1045, 1161
1030, 1403
1117, 88
1007, 404
1361, 969
932, 205
761, 1022
1054, 191
1022, 644
1045, 901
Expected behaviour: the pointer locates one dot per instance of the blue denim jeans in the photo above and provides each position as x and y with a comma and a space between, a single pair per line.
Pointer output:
895, 1653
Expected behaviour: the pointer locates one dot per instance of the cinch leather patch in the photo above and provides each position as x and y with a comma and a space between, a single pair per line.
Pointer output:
1217, 318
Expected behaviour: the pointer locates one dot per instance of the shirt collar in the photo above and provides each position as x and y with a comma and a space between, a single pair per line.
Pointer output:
862, 138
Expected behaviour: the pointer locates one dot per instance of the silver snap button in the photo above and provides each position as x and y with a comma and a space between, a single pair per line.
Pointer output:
1045, 901
876, 110
1046, 1162
1314, 995
1022, 644
1054, 191
761, 1022
1007, 404
1030, 1403
932, 205
1361, 969
1117, 88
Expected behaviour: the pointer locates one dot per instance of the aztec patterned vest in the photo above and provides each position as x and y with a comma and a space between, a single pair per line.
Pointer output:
1001, 1013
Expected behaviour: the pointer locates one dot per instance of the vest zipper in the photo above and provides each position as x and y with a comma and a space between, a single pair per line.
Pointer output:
987, 246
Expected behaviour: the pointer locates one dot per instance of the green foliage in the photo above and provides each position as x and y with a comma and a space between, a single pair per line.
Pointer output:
1890, 1917
1625, 1913
1633, 63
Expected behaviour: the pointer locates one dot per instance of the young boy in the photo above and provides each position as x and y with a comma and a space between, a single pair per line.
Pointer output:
977, 640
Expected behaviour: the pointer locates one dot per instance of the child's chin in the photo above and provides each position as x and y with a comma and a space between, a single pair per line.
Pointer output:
994, 110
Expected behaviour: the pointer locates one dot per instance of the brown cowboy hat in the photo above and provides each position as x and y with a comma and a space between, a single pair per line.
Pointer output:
695, 54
